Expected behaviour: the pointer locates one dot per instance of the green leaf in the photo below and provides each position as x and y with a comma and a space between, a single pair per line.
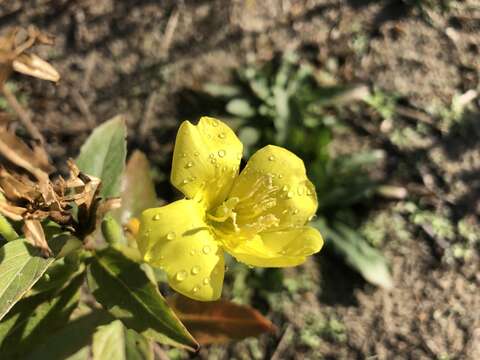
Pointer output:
103, 155
7, 230
114, 341
222, 90
21, 265
121, 286
72, 341
368, 261
34, 319
138, 188
240, 107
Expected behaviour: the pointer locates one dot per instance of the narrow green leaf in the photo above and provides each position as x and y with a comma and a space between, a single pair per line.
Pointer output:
103, 155
138, 188
368, 261
114, 341
72, 341
21, 265
121, 286
7, 230
34, 319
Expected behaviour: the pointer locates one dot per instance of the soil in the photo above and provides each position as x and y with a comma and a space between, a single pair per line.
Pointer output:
145, 58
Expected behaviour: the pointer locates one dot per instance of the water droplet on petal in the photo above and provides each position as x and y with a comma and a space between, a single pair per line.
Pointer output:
221, 153
271, 158
206, 281
211, 156
285, 188
283, 252
195, 289
213, 161
181, 275
295, 211
192, 252
156, 217
184, 155
221, 135
280, 176
196, 153
300, 190
171, 235
206, 249
189, 164
184, 182
195, 270
214, 123
289, 195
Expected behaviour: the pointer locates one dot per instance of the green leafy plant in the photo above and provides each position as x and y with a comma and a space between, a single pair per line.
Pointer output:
282, 102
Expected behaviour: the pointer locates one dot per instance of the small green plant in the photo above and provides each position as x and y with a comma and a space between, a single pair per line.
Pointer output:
282, 102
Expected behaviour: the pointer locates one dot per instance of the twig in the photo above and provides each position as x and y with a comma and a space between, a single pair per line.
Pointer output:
283, 344
169, 31
89, 68
148, 116
23, 115
83, 107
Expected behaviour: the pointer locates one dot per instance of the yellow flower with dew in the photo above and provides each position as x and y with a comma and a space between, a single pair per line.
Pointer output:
258, 216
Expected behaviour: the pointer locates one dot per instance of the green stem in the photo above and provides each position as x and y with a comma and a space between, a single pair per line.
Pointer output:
7, 230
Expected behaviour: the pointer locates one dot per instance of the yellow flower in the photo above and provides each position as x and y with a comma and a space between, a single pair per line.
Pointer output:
258, 216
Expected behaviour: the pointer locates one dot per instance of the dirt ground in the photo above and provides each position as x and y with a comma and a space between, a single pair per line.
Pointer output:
144, 57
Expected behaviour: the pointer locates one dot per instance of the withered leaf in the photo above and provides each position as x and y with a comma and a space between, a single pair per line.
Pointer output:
31, 64
33, 232
219, 321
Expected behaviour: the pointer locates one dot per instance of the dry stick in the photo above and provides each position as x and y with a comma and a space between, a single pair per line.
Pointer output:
83, 107
283, 343
169, 31
145, 125
23, 115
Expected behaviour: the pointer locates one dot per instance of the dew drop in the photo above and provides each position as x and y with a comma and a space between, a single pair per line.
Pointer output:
195, 270
214, 123
295, 211
285, 187
188, 164
171, 235
289, 195
206, 281
156, 217
184, 182
221, 153
300, 190
221, 135
181, 275
211, 156
283, 252
271, 158
195, 289
206, 249
184, 155
280, 176
213, 161
192, 252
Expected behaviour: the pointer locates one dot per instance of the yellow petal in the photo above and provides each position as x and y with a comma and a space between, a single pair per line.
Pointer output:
206, 159
279, 248
176, 239
274, 186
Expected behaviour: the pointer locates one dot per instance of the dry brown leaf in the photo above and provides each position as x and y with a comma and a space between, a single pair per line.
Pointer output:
31, 64
220, 321
33, 232
13, 56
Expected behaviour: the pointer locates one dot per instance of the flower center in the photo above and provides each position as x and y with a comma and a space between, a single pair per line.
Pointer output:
247, 216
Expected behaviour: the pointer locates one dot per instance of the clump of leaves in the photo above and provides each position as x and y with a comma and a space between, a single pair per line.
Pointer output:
282, 102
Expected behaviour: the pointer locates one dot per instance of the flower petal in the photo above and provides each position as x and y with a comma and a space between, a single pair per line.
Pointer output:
274, 184
278, 248
176, 239
206, 159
